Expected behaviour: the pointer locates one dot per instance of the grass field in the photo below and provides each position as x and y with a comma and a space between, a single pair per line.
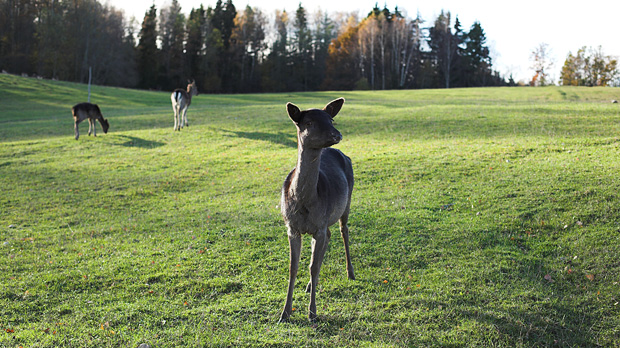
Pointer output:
480, 217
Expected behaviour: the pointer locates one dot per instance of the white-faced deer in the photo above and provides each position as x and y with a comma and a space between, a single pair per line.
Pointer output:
316, 194
91, 112
181, 100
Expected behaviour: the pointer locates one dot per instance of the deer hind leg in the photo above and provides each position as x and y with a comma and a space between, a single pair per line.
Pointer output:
294, 241
319, 246
175, 110
90, 127
185, 117
344, 232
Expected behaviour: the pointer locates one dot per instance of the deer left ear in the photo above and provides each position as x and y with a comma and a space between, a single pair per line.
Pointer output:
334, 107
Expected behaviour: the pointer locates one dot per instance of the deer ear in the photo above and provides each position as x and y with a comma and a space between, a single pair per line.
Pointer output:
293, 112
334, 107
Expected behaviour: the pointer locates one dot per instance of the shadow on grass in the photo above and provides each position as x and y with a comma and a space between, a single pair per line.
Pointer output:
280, 138
139, 142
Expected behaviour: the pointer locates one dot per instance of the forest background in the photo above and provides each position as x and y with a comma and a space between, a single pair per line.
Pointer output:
245, 51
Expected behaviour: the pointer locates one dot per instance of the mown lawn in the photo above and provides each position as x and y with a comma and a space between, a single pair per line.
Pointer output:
480, 217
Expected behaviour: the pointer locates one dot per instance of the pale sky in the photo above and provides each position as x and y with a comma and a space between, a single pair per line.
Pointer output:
513, 28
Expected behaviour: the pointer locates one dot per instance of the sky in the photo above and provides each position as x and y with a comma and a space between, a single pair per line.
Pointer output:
513, 28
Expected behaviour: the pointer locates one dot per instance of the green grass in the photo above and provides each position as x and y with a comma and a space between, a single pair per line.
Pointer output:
480, 217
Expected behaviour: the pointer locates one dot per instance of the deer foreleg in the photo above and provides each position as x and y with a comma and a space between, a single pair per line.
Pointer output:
93, 122
295, 251
319, 245
77, 129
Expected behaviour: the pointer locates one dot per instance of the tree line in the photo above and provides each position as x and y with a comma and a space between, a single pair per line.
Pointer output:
589, 67
231, 51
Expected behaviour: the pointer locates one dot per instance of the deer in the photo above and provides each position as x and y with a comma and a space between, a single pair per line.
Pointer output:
91, 112
315, 195
181, 100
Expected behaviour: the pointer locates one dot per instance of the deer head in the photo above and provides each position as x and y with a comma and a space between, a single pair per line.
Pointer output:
315, 128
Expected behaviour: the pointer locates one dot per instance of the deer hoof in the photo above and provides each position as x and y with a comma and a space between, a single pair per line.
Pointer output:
284, 318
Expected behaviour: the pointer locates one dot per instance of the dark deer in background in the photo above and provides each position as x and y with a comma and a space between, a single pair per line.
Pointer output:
91, 112
316, 194
181, 100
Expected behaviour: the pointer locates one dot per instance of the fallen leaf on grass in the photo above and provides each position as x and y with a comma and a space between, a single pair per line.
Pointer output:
590, 277
548, 278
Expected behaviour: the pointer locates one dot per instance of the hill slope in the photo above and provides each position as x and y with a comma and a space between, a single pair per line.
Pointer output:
480, 217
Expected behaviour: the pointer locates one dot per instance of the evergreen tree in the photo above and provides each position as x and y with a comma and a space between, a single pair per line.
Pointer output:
458, 70
302, 51
443, 48
325, 33
147, 50
17, 35
223, 20
196, 26
172, 36
477, 59
276, 70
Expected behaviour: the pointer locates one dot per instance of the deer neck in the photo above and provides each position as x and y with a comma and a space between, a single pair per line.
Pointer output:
189, 97
306, 177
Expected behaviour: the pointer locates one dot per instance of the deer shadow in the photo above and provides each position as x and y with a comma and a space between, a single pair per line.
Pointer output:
280, 138
139, 142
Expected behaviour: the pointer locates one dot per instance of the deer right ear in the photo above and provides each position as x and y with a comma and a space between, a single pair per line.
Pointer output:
293, 112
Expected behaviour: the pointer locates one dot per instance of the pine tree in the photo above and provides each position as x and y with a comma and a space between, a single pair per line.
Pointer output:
325, 33
443, 47
478, 61
302, 50
195, 42
172, 36
147, 50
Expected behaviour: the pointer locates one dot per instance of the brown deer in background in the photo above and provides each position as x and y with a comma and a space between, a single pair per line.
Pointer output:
316, 194
91, 112
181, 100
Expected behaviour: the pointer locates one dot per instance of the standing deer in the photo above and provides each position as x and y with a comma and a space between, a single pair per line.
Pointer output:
315, 195
181, 100
91, 112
